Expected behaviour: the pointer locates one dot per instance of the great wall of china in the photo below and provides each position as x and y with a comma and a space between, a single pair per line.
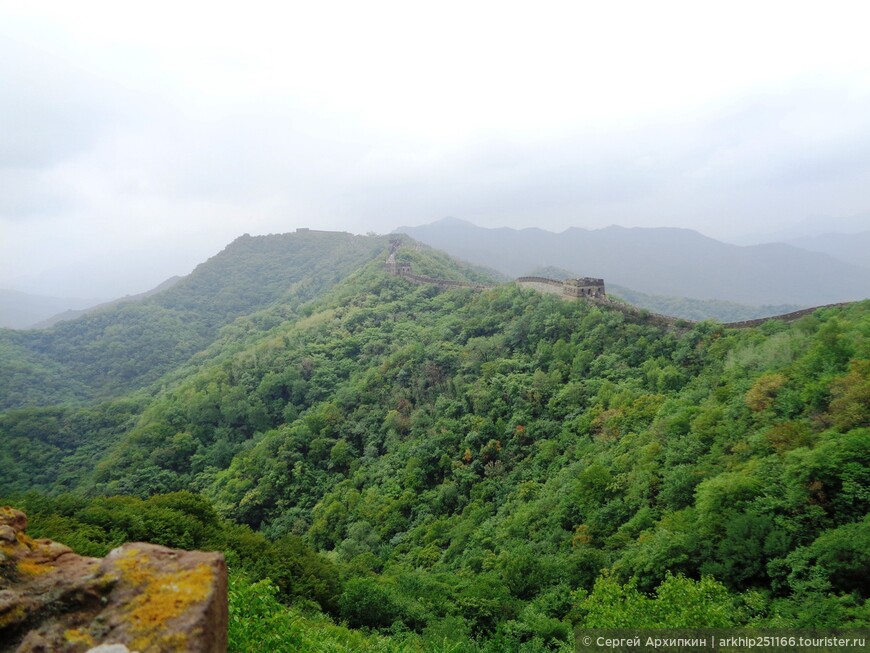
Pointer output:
588, 288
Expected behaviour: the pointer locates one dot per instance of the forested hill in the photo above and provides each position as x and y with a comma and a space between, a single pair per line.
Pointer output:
109, 352
469, 462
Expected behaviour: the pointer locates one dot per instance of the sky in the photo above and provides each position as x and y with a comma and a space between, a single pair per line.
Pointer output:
138, 139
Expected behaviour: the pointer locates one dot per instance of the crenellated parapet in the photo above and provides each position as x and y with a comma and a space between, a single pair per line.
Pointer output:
572, 288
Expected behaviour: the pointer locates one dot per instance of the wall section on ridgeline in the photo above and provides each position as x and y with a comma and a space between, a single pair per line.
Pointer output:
555, 287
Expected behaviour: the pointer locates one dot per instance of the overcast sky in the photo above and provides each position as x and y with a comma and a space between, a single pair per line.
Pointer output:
137, 139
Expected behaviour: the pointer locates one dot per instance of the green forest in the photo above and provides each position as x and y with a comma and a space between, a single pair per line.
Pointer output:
396, 467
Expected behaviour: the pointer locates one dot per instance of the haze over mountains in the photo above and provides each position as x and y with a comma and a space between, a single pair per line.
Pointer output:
658, 261
852, 248
21, 310
806, 230
679, 272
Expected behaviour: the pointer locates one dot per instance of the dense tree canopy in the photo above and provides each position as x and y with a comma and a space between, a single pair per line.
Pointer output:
485, 470
128, 345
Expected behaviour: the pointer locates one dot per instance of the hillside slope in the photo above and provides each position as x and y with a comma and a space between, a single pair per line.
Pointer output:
126, 346
472, 461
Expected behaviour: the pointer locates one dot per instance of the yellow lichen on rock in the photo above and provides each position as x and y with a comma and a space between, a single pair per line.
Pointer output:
167, 596
163, 596
143, 597
78, 636
11, 516
24, 539
172, 642
33, 568
13, 616
131, 568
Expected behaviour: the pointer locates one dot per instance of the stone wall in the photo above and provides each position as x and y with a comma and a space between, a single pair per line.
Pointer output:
541, 284
402, 269
787, 317
589, 288
573, 288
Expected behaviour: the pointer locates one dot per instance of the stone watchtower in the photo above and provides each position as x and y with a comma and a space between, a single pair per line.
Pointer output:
398, 269
392, 266
584, 287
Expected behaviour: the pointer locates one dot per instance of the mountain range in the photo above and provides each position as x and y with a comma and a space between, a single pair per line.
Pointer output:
659, 261
676, 272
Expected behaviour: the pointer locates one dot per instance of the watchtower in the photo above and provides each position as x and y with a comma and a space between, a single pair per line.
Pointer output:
392, 266
583, 287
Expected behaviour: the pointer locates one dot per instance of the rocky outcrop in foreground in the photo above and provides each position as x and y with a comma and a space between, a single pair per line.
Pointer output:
140, 598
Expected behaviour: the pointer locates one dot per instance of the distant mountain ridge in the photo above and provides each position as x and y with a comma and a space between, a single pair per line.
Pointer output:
852, 248
73, 314
680, 307
21, 310
658, 261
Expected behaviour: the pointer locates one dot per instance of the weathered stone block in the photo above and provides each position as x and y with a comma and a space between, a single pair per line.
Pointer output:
141, 598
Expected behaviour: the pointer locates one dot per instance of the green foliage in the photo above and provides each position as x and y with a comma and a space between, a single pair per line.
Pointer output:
187, 521
257, 621
850, 403
130, 345
678, 602
446, 469
366, 602
839, 560
52, 447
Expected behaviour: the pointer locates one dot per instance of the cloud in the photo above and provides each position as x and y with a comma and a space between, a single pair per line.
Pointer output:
691, 169
50, 110
125, 129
